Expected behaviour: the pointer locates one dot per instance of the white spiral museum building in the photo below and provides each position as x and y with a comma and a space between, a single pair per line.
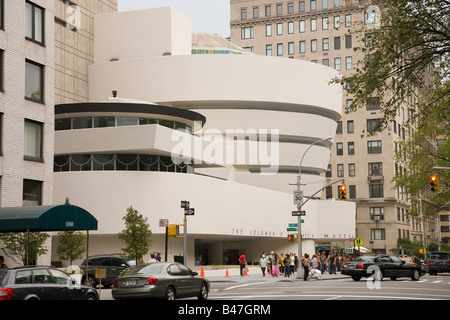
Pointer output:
225, 132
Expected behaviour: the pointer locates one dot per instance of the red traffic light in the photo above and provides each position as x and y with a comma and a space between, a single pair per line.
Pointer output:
433, 178
343, 192
291, 237
435, 185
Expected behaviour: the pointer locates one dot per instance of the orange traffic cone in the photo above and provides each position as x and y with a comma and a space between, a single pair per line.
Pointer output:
226, 274
245, 271
202, 273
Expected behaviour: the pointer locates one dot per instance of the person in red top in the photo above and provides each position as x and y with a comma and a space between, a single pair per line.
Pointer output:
242, 264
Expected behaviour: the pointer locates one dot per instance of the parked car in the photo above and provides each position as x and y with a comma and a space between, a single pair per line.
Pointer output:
41, 283
113, 264
381, 266
163, 280
438, 262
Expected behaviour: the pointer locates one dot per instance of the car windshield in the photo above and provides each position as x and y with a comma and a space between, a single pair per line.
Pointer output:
365, 259
154, 268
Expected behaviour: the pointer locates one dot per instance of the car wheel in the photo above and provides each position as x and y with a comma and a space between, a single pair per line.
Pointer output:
203, 295
393, 278
91, 282
415, 275
356, 278
91, 297
170, 293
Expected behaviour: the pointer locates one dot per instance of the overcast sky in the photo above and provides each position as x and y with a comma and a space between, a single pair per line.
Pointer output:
212, 16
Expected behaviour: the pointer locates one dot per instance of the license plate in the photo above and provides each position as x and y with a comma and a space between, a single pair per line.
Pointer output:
130, 283
351, 266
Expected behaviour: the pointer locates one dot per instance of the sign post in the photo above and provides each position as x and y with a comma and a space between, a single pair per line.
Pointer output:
164, 223
100, 274
187, 212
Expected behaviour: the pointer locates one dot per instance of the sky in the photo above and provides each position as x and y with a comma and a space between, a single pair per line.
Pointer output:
211, 16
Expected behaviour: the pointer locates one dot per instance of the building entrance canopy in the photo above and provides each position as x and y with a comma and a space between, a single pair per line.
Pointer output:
64, 217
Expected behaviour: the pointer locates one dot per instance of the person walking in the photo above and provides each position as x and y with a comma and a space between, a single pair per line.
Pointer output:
275, 269
331, 264
287, 265
263, 264
242, 263
305, 264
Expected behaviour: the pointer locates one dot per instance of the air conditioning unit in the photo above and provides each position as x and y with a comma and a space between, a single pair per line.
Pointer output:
377, 218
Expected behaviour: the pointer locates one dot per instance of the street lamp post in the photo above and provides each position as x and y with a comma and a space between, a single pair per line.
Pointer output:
299, 201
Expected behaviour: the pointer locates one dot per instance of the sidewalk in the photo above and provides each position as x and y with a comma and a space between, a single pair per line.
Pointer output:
219, 274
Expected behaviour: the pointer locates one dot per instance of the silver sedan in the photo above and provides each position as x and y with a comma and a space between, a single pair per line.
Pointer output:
168, 280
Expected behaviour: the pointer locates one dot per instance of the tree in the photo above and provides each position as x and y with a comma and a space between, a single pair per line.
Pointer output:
24, 247
136, 235
71, 245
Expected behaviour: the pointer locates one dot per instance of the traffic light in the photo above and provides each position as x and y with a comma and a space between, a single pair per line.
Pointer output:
343, 192
434, 182
291, 238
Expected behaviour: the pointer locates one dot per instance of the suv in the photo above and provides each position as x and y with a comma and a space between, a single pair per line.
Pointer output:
438, 262
113, 264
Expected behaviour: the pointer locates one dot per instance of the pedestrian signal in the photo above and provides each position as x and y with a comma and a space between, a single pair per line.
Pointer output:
434, 182
343, 192
291, 237
173, 230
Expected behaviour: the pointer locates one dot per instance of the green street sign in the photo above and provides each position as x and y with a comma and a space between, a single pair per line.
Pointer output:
293, 225
291, 229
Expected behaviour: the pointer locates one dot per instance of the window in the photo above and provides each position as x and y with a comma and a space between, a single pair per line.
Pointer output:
328, 173
340, 170
301, 26
374, 146
373, 103
348, 63
324, 4
325, 44
33, 140
325, 23
290, 27
313, 24
337, 63
243, 14
268, 50
291, 48
314, 45
268, 11
350, 126
329, 192
290, 7
32, 193
373, 125
336, 22
336, 3
378, 234
339, 149
279, 9
351, 169
313, 5
348, 41
337, 43
351, 148
1, 14
279, 28
326, 62
348, 20
268, 30
34, 76
339, 127
377, 213
247, 33
376, 190
1, 67
34, 29
301, 6
302, 46
1, 134
279, 49
352, 192
375, 169
256, 12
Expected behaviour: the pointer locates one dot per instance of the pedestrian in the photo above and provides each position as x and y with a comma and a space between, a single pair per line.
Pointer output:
275, 269
322, 262
2, 263
281, 263
152, 258
287, 265
263, 264
242, 264
331, 264
158, 257
305, 263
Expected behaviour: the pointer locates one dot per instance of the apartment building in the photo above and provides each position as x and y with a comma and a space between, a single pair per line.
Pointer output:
320, 31
45, 48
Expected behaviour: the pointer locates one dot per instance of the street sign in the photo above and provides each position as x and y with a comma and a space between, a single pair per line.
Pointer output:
358, 242
189, 211
163, 223
298, 197
100, 273
185, 204
293, 225
291, 229
299, 213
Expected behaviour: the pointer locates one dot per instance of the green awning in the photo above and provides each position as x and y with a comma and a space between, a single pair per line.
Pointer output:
46, 218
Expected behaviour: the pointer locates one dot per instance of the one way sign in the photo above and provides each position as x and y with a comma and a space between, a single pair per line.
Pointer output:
189, 212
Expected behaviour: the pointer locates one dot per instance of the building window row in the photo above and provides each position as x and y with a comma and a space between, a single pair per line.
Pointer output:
119, 162
34, 26
302, 6
280, 27
89, 122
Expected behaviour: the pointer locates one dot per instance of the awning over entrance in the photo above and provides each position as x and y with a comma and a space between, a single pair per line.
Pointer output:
46, 218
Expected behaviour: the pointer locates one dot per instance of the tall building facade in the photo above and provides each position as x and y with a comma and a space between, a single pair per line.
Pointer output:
320, 31
45, 48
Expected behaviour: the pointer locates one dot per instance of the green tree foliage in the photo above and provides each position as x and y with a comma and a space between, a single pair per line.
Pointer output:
406, 65
136, 235
71, 245
23, 247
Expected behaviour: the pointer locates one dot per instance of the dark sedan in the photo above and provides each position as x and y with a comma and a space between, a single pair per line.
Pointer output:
168, 280
41, 283
381, 266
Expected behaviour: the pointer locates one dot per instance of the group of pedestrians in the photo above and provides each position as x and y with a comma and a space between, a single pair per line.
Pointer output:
278, 265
